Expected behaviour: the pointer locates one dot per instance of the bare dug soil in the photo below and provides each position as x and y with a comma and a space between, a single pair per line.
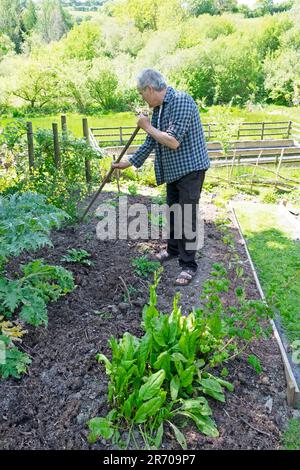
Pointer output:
65, 386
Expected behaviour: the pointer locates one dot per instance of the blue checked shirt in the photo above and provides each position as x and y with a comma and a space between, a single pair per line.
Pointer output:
180, 119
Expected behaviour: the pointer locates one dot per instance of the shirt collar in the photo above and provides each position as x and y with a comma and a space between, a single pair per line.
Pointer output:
169, 94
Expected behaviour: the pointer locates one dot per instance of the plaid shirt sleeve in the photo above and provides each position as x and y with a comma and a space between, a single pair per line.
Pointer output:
138, 158
181, 117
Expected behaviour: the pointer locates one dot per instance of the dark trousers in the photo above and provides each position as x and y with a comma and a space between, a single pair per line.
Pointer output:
185, 191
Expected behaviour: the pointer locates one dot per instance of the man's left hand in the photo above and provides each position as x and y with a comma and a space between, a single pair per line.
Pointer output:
143, 122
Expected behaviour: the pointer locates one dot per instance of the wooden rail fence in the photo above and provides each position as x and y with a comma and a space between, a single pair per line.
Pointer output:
254, 144
110, 136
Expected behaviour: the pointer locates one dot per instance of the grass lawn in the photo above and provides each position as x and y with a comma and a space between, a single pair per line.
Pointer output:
276, 256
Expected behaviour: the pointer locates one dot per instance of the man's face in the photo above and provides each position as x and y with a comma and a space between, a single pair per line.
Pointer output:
149, 95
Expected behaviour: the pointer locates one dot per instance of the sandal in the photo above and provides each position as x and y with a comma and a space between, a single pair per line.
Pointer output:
185, 277
163, 256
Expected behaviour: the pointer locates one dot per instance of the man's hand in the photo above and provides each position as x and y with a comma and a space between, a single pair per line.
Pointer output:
121, 165
143, 122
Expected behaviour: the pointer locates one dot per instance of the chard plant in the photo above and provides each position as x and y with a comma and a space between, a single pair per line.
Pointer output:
164, 378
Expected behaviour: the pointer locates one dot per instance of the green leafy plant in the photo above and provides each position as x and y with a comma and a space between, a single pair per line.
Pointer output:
143, 267
159, 199
132, 189
158, 220
255, 363
130, 293
167, 374
25, 223
13, 362
30, 293
78, 256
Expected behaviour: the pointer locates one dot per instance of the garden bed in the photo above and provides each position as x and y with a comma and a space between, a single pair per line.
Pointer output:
65, 386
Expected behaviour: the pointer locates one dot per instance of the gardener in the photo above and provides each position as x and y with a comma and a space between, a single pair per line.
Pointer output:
181, 159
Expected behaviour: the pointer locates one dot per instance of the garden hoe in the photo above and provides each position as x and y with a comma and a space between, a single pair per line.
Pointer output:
106, 179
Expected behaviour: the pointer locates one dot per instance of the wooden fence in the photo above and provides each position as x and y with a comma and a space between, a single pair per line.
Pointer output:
110, 136
253, 140
57, 146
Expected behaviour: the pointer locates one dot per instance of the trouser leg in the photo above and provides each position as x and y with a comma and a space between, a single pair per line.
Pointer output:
189, 188
172, 198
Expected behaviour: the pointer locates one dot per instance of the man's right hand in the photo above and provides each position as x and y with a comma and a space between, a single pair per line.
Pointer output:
121, 165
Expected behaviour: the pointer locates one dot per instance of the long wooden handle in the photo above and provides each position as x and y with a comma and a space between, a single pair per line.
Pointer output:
106, 178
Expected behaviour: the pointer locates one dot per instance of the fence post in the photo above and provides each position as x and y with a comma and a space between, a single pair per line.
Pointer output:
64, 129
289, 129
88, 175
30, 145
121, 136
262, 130
56, 145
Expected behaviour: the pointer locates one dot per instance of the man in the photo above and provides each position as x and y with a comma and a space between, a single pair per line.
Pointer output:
181, 159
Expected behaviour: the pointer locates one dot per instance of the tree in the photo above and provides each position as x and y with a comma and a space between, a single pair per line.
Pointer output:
29, 16
212, 7
53, 21
102, 84
267, 39
237, 70
11, 20
83, 41
282, 78
143, 12
37, 84
73, 77
6, 45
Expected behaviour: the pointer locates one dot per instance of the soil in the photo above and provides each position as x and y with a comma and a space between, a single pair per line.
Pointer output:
48, 408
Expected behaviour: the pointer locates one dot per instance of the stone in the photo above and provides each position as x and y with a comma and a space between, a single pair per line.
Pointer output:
269, 404
123, 306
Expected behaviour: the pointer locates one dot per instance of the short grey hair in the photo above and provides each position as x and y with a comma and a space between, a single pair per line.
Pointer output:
150, 77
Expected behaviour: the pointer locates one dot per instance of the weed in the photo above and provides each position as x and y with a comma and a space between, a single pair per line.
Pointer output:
143, 267
78, 256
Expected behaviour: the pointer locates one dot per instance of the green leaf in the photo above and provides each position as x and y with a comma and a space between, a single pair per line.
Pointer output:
187, 376
177, 356
163, 362
16, 362
129, 405
212, 388
99, 427
199, 405
255, 363
179, 436
108, 366
34, 310
174, 387
143, 352
203, 423
149, 408
152, 386
159, 436
10, 293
